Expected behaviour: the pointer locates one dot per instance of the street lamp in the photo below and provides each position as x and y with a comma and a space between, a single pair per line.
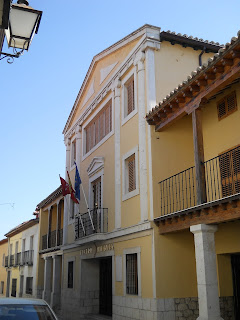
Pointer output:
23, 24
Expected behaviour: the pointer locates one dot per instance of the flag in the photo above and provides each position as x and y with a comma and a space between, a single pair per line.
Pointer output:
72, 192
77, 183
65, 187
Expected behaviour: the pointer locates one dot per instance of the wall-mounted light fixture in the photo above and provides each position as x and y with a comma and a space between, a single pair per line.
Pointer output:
21, 23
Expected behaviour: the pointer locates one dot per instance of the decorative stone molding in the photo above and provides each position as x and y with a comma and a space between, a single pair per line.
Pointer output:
104, 72
96, 165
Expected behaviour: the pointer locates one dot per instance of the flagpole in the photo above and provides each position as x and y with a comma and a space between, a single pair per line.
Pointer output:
87, 207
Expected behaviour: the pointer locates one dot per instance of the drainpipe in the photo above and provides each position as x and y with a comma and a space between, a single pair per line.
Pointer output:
200, 56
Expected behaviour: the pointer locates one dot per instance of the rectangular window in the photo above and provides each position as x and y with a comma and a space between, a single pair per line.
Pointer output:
73, 152
131, 173
29, 285
227, 105
229, 163
2, 287
129, 87
96, 189
99, 127
131, 274
70, 274
3, 260
14, 287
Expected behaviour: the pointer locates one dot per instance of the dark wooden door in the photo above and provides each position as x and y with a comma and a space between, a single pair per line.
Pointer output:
105, 303
236, 284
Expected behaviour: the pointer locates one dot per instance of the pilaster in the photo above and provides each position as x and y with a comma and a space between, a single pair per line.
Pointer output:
47, 279
56, 282
117, 104
209, 308
65, 217
78, 135
142, 139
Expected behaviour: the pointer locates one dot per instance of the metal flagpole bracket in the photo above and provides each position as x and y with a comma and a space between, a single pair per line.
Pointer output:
11, 56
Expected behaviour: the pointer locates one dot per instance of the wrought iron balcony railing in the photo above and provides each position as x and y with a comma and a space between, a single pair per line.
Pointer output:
83, 222
18, 259
27, 257
222, 179
52, 240
11, 260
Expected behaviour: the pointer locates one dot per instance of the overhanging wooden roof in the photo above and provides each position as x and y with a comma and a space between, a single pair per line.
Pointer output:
21, 227
220, 71
53, 196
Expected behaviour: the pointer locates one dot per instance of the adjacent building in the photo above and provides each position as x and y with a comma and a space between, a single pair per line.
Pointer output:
22, 258
3, 273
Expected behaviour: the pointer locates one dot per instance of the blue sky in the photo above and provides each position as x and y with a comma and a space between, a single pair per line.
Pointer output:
38, 90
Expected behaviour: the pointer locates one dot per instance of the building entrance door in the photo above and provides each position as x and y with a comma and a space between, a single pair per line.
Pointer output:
236, 284
105, 299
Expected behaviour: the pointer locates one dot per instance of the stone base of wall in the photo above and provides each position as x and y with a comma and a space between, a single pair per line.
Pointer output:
227, 308
75, 305
126, 308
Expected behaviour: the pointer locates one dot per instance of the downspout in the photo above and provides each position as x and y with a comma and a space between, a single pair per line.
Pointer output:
200, 56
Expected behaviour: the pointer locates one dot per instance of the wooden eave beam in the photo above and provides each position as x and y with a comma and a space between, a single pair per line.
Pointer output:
220, 82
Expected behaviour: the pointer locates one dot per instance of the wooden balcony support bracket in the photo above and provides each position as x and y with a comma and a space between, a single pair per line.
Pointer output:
221, 211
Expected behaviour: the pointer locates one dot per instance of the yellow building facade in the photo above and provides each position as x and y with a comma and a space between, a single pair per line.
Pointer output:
3, 273
21, 260
109, 258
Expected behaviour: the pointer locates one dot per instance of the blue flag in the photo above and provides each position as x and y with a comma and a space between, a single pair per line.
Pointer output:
77, 183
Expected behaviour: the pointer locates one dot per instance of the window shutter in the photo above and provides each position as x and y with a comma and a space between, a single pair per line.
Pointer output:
227, 105
130, 96
131, 173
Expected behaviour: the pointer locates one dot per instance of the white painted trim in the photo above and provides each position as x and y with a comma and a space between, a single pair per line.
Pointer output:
127, 195
151, 102
131, 251
143, 226
104, 72
72, 165
131, 73
101, 106
96, 164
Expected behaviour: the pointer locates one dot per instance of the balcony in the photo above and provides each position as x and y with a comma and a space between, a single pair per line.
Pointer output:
53, 240
18, 257
11, 260
222, 179
6, 262
83, 222
27, 257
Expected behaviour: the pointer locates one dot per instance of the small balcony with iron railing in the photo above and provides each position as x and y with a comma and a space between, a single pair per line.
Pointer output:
52, 240
27, 257
6, 262
221, 179
11, 263
91, 222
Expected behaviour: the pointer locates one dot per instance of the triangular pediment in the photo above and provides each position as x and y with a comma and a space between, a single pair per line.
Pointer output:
104, 72
96, 164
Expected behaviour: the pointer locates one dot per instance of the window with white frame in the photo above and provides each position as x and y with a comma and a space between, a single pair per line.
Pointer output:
73, 152
131, 274
130, 174
97, 193
132, 271
129, 105
99, 127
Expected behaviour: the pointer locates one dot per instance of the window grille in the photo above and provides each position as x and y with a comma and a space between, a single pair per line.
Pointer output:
96, 187
99, 128
131, 274
131, 173
130, 96
70, 274
227, 105
29, 285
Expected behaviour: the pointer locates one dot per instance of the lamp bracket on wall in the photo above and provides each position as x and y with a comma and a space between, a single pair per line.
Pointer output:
11, 56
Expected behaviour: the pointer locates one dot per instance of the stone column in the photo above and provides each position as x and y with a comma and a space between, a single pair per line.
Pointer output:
47, 279
56, 282
66, 198
118, 191
142, 139
209, 308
